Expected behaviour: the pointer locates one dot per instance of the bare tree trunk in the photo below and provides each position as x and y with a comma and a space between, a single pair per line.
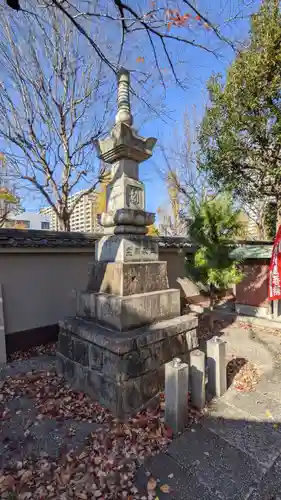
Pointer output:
213, 301
64, 223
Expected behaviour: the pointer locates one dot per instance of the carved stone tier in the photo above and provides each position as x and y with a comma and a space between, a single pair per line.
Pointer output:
128, 278
125, 370
126, 312
127, 216
130, 248
125, 192
124, 142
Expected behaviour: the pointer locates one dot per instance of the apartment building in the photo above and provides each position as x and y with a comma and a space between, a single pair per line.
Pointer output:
84, 216
27, 220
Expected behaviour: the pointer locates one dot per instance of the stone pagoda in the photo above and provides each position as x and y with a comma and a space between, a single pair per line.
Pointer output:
127, 323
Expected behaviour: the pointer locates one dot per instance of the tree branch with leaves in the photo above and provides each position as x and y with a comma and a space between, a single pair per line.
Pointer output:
240, 135
158, 30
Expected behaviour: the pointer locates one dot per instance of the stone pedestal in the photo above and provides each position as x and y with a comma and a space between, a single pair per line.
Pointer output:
123, 371
127, 323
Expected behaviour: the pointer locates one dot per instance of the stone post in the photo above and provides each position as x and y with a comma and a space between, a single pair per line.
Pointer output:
176, 394
198, 379
3, 356
216, 361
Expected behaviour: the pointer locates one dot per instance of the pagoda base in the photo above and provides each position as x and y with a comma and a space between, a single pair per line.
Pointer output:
122, 371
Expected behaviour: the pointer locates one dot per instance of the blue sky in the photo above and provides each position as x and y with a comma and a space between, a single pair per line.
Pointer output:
200, 67
195, 66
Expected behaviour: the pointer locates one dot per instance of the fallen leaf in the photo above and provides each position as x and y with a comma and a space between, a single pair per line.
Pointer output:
25, 477
268, 414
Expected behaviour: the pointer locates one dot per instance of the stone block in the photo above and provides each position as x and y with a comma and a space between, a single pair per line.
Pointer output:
127, 216
216, 360
176, 394
123, 342
122, 370
125, 192
128, 278
123, 399
125, 166
3, 354
197, 378
122, 366
118, 248
86, 304
126, 229
131, 311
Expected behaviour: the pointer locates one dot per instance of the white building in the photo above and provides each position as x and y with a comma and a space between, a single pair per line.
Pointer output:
28, 220
84, 216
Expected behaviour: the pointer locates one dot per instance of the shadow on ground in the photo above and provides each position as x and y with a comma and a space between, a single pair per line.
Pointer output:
220, 458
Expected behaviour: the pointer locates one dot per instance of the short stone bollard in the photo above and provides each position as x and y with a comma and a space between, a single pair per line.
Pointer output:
198, 379
176, 394
216, 362
3, 355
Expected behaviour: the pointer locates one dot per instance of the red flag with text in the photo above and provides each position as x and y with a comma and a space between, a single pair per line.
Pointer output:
274, 288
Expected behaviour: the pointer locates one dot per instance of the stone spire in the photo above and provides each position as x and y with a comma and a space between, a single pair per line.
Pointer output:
123, 98
124, 149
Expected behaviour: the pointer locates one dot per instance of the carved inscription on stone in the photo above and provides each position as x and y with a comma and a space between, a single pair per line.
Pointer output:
133, 197
129, 252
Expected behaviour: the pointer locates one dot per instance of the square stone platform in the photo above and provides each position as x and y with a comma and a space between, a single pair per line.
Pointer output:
125, 313
123, 370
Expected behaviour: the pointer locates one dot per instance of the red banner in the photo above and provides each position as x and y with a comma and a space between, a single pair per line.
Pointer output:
274, 288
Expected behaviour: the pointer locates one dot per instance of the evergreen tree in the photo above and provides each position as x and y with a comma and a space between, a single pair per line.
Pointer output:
216, 224
240, 136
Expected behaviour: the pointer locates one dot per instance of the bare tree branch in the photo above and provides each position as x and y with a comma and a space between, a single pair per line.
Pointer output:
54, 103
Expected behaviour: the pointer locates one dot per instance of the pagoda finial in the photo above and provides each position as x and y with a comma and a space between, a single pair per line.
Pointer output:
123, 98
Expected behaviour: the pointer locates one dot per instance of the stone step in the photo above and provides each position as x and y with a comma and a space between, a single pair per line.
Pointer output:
202, 465
260, 440
223, 469
132, 311
255, 403
231, 456
183, 484
126, 369
128, 278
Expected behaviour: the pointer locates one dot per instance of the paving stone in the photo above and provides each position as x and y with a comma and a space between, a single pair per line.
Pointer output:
270, 486
229, 472
184, 485
271, 387
24, 435
27, 365
258, 439
255, 403
50, 436
20, 404
13, 441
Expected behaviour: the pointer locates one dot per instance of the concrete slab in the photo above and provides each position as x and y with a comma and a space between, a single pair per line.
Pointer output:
227, 471
257, 404
132, 311
260, 440
184, 485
